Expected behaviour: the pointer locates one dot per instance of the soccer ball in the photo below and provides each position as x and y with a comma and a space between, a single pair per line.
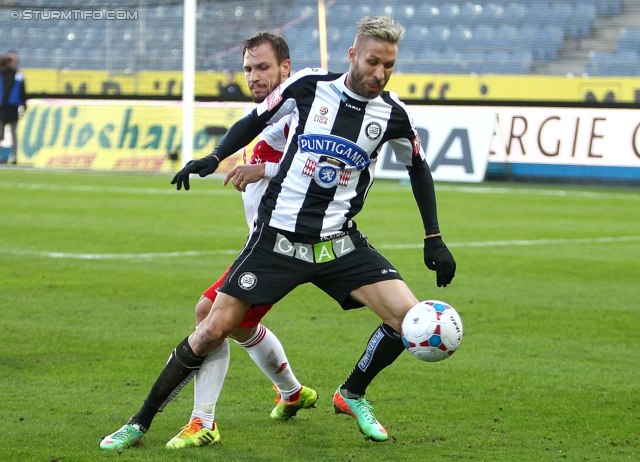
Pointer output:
432, 330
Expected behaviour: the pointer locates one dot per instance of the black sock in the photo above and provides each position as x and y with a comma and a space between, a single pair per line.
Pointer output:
384, 346
181, 367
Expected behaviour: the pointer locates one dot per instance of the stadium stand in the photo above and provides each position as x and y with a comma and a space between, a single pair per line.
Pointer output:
443, 36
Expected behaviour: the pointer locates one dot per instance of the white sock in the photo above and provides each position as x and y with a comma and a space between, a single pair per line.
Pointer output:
208, 384
267, 352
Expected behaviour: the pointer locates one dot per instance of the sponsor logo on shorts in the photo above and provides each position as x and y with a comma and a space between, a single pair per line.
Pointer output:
247, 281
321, 252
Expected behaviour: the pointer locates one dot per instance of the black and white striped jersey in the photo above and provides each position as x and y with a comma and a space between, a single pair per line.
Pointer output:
333, 144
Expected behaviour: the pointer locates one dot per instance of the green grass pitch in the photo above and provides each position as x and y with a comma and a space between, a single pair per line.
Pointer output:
100, 273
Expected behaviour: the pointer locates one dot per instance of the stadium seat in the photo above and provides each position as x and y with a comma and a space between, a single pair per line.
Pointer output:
612, 69
450, 15
497, 56
558, 15
474, 61
526, 39
301, 13
506, 38
471, 14
429, 15
629, 40
437, 38
461, 38
500, 3
339, 15
483, 38
608, 7
552, 38
409, 15
415, 39
492, 15
448, 62
389, 9
514, 14
524, 57
409, 61
580, 23
602, 57
537, 14
38, 57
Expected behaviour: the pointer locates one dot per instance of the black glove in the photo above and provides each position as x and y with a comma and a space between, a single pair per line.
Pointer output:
438, 258
203, 167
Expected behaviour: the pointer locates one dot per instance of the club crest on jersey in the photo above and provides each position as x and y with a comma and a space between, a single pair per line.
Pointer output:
325, 174
373, 130
335, 147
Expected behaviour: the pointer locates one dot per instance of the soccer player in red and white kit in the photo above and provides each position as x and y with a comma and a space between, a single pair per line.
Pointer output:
266, 65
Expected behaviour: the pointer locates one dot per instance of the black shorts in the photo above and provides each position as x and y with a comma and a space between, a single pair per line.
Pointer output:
273, 263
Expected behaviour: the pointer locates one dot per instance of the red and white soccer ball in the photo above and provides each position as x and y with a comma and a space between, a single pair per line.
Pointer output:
432, 330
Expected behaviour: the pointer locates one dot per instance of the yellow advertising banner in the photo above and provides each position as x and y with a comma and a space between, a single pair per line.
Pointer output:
119, 135
571, 89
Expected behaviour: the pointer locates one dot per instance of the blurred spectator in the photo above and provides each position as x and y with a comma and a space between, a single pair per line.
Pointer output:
13, 100
231, 91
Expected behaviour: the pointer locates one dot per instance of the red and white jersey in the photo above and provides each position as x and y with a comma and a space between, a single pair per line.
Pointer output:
268, 150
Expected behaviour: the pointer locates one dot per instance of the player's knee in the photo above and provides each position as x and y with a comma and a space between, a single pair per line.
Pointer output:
242, 334
209, 335
202, 308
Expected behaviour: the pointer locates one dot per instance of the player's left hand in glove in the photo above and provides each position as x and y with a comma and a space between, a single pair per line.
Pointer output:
438, 258
203, 167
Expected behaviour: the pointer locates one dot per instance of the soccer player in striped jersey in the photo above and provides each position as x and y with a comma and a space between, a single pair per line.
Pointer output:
306, 230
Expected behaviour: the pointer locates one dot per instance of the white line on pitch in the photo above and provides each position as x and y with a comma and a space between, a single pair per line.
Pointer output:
122, 256
169, 190
539, 192
439, 187
129, 256
599, 240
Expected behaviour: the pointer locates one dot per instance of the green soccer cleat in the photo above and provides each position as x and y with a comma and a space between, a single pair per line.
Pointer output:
284, 411
127, 436
361, 410
194, 435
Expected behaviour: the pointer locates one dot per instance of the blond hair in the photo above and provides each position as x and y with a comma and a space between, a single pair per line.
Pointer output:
381, 27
